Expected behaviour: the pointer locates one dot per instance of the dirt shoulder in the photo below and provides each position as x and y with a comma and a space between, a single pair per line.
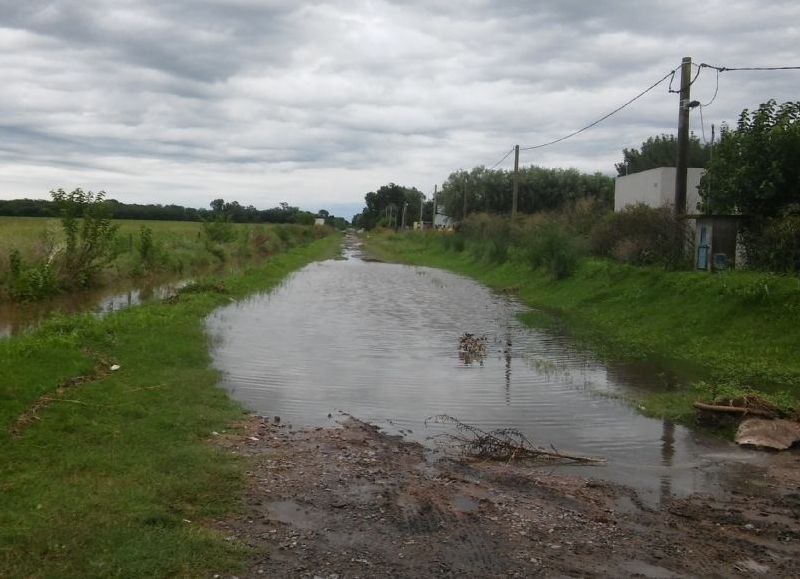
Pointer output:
353, 502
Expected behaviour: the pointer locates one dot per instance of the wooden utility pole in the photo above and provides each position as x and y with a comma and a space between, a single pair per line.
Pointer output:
464, 215
683, 137
421, 206
433, 219
516, 183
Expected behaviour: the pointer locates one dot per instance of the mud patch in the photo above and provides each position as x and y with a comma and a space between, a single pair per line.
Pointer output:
353, 502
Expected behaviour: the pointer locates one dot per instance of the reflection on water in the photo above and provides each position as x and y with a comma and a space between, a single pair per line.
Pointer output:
17, 318
381, 341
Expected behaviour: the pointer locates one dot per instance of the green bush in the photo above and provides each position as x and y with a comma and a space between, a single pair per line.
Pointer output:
90, 235
30, 281
455, 242
146, 247
554, 249
642, 235
775, 246
219, 230
268, 241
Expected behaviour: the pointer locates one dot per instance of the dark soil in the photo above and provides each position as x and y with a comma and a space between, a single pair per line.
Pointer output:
353, 502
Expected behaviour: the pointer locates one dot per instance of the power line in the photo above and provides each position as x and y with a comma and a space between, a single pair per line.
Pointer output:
503, 159
716, 90
601, 119
691, 82
702, 124
727, 68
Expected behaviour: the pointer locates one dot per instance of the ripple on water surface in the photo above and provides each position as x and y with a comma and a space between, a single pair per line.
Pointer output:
380, 341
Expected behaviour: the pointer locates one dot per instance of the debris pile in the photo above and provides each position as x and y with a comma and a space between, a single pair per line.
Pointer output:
501, 444
763, 425
748, 404
472, 348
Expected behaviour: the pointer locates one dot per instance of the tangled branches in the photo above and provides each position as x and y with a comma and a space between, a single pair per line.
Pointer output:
501, 444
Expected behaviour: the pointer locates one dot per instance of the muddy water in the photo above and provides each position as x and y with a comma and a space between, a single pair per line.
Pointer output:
17, 318
380, 341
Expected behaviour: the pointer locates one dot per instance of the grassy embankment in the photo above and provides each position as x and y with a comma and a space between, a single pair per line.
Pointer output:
116, 475
139, 249
728, 332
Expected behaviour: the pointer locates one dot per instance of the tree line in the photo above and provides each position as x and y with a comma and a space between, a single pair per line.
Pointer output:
232, 211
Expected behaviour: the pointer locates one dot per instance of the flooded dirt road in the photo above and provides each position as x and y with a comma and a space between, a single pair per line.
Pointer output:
381, 342
333, 496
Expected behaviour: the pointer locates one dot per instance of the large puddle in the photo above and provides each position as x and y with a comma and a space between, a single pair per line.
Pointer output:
18, 318
380, 341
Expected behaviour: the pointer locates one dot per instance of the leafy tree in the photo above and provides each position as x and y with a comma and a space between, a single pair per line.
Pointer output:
756, 172
89, 234
217, 226
756, 166
385, 206
661, 151
217, 205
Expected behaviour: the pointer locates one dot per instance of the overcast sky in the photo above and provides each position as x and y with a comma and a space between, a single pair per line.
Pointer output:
317, 103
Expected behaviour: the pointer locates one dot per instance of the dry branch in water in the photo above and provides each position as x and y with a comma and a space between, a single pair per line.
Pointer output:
747, 404
734, 409
501, 444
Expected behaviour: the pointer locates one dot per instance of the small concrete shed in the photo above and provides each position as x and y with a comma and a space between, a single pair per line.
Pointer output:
715, 241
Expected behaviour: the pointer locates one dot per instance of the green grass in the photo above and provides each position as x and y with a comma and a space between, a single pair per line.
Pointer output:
735, 329
118, 477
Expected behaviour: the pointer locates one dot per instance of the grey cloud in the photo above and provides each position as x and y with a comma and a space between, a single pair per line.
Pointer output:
323, 101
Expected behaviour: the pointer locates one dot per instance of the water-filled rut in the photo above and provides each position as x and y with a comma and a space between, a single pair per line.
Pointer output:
381, 342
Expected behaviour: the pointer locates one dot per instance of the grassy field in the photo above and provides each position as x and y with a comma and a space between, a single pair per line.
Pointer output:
116, 475
138, 249
728, 332
30, 234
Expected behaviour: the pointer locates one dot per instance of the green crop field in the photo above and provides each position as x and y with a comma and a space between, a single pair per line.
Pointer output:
34, 261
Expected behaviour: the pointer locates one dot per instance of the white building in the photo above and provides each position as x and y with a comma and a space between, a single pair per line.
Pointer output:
656, 188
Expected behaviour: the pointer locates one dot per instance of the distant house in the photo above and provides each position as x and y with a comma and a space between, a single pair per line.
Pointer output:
656, 188
320, 221
442, 221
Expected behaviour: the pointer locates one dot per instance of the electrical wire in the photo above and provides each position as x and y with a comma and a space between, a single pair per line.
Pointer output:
691, 82
601, 119
726, 68
503, 159
702, 125
716, 90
